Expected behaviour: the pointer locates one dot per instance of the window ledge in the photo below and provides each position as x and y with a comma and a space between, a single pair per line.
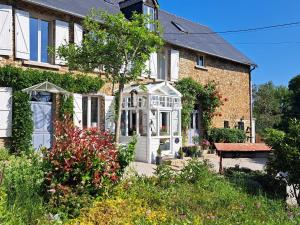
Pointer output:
201, 68
43, 65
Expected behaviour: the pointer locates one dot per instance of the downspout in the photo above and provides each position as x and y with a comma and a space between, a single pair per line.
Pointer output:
251, 99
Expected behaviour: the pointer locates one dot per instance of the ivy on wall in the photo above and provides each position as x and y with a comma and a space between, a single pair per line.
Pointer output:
19, 79
201, 96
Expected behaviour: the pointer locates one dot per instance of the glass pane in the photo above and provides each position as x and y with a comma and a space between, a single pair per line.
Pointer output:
161, 65
153, 123
142, 123
34, 27
44, 41
84, 111
165, 144
175, 122
162, 101
94, 112
132, 122
197, 121
164, 123
123, 123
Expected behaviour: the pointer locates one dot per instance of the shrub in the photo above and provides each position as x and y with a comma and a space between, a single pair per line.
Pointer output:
226, 135
256, 182
81, 162
21, 189
193, 171
165, 175
126, 154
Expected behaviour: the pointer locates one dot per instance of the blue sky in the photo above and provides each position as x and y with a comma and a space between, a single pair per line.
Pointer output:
277, 61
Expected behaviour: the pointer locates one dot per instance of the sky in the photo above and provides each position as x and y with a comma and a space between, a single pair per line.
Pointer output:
276, 51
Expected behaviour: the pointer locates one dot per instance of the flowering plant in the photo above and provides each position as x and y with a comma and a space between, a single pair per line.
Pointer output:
81, 161
205, 143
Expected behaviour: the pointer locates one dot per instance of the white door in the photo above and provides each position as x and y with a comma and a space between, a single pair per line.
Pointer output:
194, 131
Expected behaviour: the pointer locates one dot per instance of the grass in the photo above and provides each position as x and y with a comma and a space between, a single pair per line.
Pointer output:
196, 196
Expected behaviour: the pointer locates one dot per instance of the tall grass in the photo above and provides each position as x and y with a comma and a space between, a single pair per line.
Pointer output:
20, 198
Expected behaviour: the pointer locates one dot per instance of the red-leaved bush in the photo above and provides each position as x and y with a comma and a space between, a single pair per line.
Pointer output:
81, 161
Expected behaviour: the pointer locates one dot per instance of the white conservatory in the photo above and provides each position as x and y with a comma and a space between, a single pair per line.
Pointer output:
153, 113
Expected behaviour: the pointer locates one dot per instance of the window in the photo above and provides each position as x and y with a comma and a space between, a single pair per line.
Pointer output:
151, 12
39, 40
175, 123
162, 65
226, 124
241, 125
179, 27
165, 144
153, 123
162, 101
164, 125
90, 112
142, 123
200, 61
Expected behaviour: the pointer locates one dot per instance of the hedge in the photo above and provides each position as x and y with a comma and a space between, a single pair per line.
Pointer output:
226, 135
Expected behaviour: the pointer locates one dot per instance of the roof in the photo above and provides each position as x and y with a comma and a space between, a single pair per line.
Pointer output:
163, 87
205, 41
79, 8
242, 147
211, 43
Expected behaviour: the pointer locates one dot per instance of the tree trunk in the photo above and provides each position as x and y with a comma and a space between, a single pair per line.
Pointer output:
119, 112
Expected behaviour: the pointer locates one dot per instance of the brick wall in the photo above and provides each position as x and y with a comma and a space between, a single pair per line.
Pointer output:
232, 81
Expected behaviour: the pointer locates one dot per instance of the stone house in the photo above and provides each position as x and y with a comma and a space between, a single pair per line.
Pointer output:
30, 27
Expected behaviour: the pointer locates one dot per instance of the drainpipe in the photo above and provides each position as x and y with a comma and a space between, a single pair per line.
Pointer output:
251, 99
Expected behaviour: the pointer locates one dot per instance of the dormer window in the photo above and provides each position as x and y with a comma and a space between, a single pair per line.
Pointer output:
151, 12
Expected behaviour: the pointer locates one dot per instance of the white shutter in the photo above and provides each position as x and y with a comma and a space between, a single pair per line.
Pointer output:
5, 30
145, 73
109, 114
61, 37
78, 34
5, 112
22, 34
153, 65
77, 110
174, 65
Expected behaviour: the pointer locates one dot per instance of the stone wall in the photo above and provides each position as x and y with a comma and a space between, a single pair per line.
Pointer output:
232, 81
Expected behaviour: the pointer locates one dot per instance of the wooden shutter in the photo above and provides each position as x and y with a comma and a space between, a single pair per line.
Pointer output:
61, 37
5, 30
22, 34
174, 65
5, 112
153, 65
78, 34
77, 110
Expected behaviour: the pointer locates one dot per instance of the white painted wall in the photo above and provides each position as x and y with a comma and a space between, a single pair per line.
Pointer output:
5, 112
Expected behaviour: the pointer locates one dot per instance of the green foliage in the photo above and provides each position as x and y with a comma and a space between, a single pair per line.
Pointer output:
256, 182
21, 123
270, 104
21, 188
286, 154
198, 96
197, 197
66, 107
126, 154
294, 87
226, 135
19, 79
165, 175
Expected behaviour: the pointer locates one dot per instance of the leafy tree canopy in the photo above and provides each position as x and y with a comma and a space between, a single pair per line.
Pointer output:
121, 46
294, 87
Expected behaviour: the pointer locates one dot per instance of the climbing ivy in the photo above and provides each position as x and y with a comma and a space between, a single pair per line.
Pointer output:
195, 94
19, 79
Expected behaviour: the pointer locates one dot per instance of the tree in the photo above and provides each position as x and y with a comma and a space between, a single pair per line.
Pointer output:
294, 87
286, 155
121, 46
270, 105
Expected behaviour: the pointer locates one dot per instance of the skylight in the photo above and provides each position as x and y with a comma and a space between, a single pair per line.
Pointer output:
179, 27
110, 2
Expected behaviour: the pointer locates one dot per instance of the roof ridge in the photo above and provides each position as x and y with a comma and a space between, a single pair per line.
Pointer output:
188, 20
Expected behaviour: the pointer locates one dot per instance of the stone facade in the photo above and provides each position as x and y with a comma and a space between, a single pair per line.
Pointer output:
233, 82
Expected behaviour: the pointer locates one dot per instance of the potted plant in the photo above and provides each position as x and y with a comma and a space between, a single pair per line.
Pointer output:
158, 157
180, 153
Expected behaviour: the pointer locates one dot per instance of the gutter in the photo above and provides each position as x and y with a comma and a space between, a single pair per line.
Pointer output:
251, 99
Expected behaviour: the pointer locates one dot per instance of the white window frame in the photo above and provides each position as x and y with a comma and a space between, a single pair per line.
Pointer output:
40, 39
150, 11
89, 111
198, 60
163, 53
